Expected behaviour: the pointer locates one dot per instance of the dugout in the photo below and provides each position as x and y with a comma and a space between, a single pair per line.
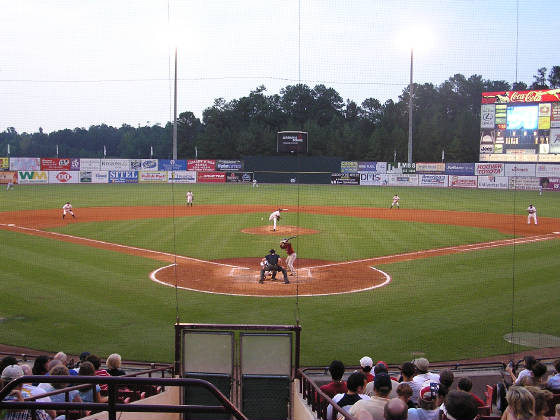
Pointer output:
252, 365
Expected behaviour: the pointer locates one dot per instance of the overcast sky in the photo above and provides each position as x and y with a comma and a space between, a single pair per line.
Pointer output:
76, 63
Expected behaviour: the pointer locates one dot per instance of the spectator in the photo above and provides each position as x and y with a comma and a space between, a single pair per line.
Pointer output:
7, 361
459, 405
87, 395
96, 362
54, 362
431, 397
465, 384
404, 392
60, 370
375, 406
40, 367
395, 409
446, 378
9, 373
34, 391
529, 362
408, 370
356, 383
337, 385
423, 374
553, 382
381, 367
114, 365
62, 357
83, 356
537, 376
542, 398
366, 363
521, 404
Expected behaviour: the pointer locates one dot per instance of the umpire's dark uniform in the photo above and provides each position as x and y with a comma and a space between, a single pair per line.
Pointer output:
272, 265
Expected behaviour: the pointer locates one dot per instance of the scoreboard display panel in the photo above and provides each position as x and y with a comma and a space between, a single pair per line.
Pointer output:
293, 142
520, 126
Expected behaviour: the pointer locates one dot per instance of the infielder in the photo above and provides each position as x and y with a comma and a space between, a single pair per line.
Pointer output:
189, 198
396, 199
532, 214
67, 208
291, 258
274, 217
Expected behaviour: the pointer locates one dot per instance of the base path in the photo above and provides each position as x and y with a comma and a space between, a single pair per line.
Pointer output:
240, 276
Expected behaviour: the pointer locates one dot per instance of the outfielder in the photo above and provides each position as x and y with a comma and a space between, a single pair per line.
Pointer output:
274, 217
273, 263
67, 208
532, 214
189, 198
396, 199
291, 258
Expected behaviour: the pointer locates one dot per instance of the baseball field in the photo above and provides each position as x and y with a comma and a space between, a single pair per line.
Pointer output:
447, 275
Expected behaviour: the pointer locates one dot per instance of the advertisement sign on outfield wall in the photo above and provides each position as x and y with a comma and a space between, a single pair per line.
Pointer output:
489, 169
7, 176
348, 167
201, 165
373, 178
459, 168
64, 177
524, 183
181, 177
88, 164
123, 177
493, 182
550, 184
488, 116
172, 165
403, 180
430, 167
55, 164
520, 169
211, 177
379, 167
229, 165
114, 164
143, 164
547, 169
239, 177
430, 180
94, 177
25, 164
341, 178
459, 181
4, 163
33, 177
401, 168
153, 176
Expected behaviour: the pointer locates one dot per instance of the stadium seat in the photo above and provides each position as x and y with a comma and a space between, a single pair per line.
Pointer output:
486, 409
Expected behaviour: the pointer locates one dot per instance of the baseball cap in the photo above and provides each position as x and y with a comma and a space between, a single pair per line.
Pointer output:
381, 381
84, 354
422, 364
11, 372
430, 392
366, 361
272, 251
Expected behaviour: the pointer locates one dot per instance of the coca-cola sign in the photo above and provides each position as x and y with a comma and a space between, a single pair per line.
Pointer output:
521, 96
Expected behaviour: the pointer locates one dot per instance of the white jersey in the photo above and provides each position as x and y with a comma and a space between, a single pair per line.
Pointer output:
67, 207
532, 210
274, 215
189, 196
396, 199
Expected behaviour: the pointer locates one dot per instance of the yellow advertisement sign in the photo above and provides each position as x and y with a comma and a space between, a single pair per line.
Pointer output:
4, 163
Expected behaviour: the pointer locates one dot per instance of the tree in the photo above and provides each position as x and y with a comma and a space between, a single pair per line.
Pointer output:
539, 81
554, 77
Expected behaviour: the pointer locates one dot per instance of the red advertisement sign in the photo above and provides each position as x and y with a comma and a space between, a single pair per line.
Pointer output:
201, 165
55, 164
211, 177
521, 96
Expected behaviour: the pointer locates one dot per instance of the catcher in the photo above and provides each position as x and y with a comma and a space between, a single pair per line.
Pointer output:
272, 262
286, 245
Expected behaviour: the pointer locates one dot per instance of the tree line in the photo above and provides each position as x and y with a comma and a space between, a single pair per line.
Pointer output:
446, 117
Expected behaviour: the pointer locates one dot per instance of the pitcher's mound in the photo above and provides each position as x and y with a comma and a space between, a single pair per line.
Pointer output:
280, 231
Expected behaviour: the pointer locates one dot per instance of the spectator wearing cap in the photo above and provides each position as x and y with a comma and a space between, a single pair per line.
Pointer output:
366, 364
553, 382
83, 356
408, 370
465, 384
381, 367
375, 406
459, 405
423, 374
337, 385
431, 397
355, 383
395, 409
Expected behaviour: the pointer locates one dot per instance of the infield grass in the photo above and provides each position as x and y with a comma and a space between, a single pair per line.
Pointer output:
60, 296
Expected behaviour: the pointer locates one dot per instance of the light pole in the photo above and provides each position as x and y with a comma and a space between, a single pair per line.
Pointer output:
411, 94
175, 112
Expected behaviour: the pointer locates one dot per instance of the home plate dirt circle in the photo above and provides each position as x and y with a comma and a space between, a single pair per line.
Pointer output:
284, 231
240, 276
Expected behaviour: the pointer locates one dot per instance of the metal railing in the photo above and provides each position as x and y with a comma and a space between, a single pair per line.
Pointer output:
112, 406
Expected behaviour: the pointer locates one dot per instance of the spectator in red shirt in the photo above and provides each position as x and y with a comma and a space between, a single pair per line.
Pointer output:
337, 385
465, 384
366, 363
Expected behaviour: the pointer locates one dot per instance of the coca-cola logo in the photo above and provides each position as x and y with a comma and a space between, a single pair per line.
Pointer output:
63, 177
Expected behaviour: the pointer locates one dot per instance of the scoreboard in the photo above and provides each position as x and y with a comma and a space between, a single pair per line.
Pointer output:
520, 126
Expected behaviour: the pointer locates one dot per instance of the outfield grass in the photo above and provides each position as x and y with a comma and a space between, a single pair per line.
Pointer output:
61, 296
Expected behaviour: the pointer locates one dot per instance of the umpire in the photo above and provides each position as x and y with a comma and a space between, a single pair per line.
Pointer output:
272, 263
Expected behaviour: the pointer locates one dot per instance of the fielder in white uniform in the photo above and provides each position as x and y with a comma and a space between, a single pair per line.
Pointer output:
189, 198
396, 199
67, 208
532, 214
274, 217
